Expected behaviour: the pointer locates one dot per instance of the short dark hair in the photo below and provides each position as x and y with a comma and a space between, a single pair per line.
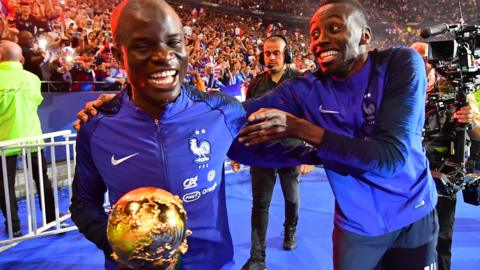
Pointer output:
275, 38
354, 3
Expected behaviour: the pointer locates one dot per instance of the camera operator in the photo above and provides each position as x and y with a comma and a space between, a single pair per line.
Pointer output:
439, 149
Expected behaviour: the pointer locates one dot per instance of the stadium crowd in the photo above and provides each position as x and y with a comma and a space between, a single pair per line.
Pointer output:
67, 43
393, 11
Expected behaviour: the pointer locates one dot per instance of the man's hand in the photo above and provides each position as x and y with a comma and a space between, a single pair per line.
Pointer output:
120, 265
90, 109
235, 166
465, 115
121, 80
271, 124
67, 66
306, 169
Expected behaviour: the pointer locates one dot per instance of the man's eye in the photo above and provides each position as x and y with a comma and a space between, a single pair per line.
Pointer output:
315, 34
335, 28
175, 43
141, 47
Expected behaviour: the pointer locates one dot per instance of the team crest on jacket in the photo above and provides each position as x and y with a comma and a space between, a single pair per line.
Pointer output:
369, 110
199, 147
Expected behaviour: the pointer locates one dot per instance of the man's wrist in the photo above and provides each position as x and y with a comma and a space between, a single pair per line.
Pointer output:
310, 133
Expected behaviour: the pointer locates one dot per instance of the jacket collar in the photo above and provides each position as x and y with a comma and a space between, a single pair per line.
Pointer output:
171, 109
11, 65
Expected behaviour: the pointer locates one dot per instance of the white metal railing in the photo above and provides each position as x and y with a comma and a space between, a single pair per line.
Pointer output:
27, 146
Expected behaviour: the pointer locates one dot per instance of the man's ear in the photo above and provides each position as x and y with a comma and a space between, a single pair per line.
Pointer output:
117, 53
366, 35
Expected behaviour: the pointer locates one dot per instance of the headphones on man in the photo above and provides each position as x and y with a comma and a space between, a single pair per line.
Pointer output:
287, 52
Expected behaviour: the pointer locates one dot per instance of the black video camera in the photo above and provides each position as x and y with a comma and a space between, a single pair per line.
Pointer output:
456, 60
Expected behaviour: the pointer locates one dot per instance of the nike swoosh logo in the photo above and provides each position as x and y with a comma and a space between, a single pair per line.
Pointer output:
325, 111
115, 162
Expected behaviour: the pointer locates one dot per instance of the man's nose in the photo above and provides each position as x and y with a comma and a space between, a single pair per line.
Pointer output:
323, 38
163, 54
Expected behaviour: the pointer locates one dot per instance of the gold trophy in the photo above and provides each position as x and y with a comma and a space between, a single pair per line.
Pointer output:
147, 229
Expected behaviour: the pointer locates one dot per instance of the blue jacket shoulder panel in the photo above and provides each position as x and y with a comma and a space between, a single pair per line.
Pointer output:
288, 96
230, 107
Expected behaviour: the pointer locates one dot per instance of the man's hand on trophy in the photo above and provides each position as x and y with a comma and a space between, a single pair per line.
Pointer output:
90, 109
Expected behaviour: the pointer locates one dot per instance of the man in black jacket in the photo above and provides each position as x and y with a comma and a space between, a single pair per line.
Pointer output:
276, 57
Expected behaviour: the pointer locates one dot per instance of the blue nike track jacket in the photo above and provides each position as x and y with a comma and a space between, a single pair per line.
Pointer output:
183, 152
372, 147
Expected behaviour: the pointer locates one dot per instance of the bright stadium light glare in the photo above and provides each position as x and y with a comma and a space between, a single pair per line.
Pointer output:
42, 43
69, 58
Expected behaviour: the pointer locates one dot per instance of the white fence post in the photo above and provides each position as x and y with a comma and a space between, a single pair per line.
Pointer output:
27, 146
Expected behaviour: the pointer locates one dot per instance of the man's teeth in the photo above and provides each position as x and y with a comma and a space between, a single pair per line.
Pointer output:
167, 80
163, 77
163, 74
328, 53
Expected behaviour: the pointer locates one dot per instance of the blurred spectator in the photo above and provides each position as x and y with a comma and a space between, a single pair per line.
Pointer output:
60, 67
32, 54
83, 72
6, 31
25, 21
115, 76
234, 75
212, 83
